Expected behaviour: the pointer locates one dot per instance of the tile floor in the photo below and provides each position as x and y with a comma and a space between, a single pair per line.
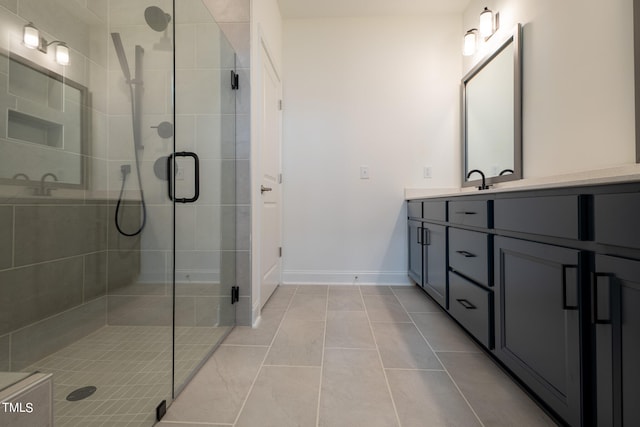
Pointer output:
352, 356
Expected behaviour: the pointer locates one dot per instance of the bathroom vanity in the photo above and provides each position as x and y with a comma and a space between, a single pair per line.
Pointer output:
547, 280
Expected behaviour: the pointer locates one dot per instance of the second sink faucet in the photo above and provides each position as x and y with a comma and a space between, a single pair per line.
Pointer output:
484, 186
42, 191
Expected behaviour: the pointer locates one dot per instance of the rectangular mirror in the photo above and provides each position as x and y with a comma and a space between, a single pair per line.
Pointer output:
492, 116
43, 135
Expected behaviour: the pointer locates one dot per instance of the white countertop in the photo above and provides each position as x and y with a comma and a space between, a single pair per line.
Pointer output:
627, 173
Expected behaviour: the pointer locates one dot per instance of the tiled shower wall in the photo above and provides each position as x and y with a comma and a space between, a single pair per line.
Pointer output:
54, 250
58, 258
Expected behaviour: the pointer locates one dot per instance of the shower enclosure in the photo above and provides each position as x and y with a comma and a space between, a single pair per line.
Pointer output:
117, 200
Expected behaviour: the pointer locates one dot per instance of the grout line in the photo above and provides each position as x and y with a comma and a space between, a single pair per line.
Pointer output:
444, 367
324, 342
377, 349
262, 364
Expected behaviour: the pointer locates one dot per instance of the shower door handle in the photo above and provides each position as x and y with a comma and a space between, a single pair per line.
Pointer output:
170, 177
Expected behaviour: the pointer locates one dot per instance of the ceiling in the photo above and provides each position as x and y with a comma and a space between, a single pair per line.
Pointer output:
292, 9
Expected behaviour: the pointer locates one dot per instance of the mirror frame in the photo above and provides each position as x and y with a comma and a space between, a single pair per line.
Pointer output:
84, 123
514, 37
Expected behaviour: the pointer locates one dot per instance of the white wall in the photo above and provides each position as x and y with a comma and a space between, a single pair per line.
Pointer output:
380, 92
578, 103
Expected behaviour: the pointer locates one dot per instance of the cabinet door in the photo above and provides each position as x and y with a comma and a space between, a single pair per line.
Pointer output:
415, 251
538, 320
434, 273
616, 315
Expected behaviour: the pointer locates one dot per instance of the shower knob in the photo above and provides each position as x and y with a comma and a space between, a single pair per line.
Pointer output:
165, 129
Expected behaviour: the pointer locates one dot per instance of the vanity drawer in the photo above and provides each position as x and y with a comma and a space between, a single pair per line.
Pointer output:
434, 210
470, 212
414, 209
469, 253
616, 219
557, 216
472, 306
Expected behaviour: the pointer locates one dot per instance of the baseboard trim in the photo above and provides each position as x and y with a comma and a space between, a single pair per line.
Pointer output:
309, 277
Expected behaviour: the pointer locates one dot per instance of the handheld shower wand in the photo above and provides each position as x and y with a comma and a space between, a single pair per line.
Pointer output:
135, 90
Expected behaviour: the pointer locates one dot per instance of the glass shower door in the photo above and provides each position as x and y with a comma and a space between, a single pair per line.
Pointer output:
204, 170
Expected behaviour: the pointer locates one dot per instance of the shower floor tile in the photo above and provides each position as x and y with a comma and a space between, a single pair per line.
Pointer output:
131, 368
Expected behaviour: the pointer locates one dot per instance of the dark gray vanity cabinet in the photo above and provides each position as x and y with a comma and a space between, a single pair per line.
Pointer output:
434, 274
470, 278
415, 250
548, 281
615, 313
538, 302
428, 248
616, 319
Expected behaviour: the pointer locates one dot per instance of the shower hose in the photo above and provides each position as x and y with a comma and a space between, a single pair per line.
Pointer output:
123, 170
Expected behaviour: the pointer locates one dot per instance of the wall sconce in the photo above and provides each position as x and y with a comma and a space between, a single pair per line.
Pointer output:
470, 42
33, 40
489, 23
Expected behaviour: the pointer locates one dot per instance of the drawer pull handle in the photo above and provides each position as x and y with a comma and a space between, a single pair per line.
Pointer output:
466, 213
466, 254
466, 304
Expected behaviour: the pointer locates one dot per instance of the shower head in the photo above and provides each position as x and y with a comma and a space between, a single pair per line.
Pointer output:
117, 42
156, 18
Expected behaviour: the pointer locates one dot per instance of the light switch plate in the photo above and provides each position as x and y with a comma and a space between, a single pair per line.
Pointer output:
364, 172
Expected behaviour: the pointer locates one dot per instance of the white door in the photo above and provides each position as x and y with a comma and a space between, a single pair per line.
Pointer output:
271, 195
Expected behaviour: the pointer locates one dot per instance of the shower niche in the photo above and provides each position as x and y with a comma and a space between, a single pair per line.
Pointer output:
46, 127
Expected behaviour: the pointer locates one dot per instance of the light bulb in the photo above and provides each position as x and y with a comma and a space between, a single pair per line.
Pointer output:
469, 43
31, 36
62, 54
486, 23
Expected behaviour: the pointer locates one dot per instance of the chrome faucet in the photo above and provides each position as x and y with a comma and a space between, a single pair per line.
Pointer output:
42, 190
484, 186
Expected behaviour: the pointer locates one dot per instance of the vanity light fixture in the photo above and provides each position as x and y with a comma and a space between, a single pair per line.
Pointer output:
33, 40
31, 36
488, 23
470, 42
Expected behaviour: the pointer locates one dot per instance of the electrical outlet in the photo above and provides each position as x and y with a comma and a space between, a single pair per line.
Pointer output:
427, 172
364, 172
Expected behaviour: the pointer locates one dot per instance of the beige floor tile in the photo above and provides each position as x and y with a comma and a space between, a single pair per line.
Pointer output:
497, 400
415, 300
375, 290
402, 346
281, 297
312, 289
283, 396
348, 329
217, 392
308, 307
298, 343
429, 395
262, 335
354, 391
345, 301
385, 308
442, 333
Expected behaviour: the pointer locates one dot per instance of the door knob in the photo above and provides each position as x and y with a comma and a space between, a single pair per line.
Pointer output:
264, 189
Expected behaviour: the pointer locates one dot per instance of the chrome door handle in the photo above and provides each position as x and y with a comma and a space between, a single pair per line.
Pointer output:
264, 189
